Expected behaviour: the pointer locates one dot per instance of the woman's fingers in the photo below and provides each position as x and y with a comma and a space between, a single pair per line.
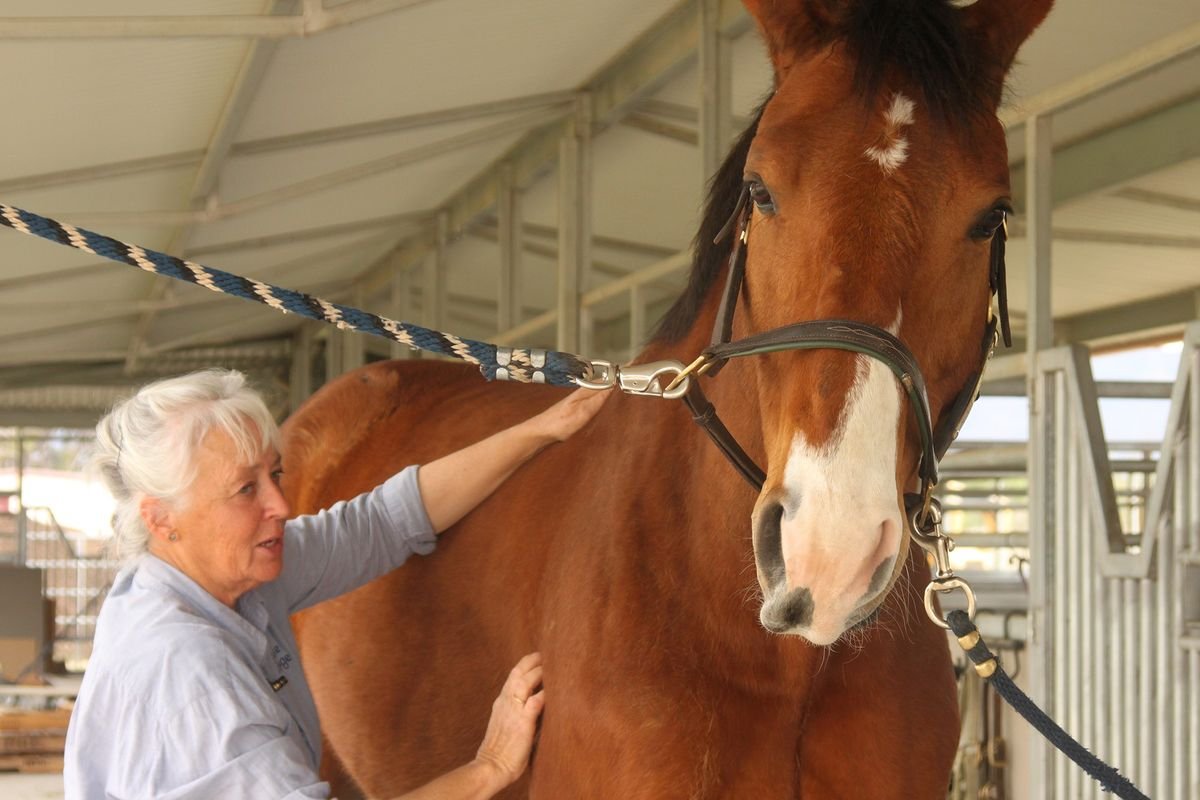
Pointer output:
510, 732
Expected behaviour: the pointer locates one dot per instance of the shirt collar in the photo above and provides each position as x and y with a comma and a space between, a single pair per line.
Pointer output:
250, 618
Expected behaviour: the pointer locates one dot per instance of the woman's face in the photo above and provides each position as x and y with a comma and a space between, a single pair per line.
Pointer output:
230, 526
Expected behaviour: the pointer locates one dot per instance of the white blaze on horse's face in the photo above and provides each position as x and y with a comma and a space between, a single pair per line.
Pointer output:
839, 524
892, 150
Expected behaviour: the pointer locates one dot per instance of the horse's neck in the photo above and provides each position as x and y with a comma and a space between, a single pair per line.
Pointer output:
704, 503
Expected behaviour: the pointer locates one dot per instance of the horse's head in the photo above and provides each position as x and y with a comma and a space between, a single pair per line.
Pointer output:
877, 179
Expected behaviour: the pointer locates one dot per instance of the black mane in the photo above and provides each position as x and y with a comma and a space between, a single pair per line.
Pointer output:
923, 40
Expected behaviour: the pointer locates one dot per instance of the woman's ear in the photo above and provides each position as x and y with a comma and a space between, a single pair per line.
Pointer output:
158, 519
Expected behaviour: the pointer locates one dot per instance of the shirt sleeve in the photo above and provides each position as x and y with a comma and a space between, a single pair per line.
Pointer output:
230, 743
353, 542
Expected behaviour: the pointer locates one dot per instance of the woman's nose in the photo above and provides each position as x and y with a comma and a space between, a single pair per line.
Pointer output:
275, 504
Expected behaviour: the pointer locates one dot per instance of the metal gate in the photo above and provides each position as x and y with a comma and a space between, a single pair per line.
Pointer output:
1115, 606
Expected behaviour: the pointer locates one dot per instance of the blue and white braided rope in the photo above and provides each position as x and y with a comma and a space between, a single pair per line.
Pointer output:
526, 366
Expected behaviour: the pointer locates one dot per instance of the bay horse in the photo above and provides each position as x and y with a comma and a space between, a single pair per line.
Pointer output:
876, 176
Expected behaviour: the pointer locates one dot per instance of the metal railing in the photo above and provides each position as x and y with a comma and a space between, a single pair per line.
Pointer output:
75, 576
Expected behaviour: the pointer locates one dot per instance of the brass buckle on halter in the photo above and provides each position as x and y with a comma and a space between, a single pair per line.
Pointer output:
699, 366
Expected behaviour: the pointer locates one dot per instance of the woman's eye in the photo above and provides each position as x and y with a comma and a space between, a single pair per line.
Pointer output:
761, 196
277, 476
988, 226
246, 488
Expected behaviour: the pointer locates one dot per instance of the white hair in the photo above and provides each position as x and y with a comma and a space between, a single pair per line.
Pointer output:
147, 445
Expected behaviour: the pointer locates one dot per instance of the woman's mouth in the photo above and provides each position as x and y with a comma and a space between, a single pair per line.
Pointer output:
272, 544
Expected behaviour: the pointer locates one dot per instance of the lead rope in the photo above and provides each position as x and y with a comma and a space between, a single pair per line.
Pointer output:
928, 534
988, 666
495, 363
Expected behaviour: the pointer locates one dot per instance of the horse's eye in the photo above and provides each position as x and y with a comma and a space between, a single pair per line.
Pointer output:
990, 223
761, 196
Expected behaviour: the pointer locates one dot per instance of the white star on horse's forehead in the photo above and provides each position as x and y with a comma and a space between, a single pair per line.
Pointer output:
892, 151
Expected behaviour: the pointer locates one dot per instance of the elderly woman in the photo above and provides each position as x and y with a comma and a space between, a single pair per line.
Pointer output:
194, 689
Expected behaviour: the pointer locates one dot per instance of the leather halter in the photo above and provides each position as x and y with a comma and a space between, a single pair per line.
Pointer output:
839, 334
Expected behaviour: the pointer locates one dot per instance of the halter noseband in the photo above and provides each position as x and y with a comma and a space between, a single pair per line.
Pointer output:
839, 334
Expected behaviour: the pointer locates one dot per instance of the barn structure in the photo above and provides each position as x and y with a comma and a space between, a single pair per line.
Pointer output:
531, 173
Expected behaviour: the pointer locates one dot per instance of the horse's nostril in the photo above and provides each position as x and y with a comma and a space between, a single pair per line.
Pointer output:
768, 544
797, 608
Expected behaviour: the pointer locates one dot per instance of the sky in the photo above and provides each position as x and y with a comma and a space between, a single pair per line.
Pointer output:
1007, 418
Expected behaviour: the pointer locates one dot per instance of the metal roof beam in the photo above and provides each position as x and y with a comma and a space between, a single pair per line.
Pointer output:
189, 158
651, 61
1144, 60
309, 234
1139, 320
1164, 199
374, 167
1017, 230
100, 172
315, 19
380, 127
1120, 154
245, 86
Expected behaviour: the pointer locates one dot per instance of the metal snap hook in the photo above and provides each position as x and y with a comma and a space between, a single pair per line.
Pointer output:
945, 586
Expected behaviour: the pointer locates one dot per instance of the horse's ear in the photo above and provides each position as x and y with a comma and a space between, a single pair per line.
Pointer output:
790, 26
1001, 27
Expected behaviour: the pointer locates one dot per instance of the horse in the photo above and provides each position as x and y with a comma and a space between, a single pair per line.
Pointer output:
702, 638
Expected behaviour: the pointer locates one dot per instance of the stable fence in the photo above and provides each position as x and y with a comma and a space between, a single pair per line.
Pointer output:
1115, 586
75, 576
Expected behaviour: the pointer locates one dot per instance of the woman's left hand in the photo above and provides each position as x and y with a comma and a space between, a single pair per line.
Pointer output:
568, 415
510, 732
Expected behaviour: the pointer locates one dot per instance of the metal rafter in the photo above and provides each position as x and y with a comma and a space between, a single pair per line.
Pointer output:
315, 19
648, 64
245, 86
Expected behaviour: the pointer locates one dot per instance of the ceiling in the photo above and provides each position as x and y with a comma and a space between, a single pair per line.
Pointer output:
315, 146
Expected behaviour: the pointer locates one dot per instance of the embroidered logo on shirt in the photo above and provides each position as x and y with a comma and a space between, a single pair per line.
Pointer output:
282, 658
278, 683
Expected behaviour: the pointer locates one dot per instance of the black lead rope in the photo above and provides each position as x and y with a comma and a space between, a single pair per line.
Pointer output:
988, 667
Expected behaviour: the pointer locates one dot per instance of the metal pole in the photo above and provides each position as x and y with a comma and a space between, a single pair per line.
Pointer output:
716, 89
300, 374
1041, 444
22, 520
433, 289
508, 213
353, 344
637, 320
401, 293
575, 222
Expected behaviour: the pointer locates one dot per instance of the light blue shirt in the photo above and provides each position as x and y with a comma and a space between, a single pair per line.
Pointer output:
185, 697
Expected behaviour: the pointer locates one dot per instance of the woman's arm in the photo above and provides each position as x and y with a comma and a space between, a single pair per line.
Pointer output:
504, 754
455, 484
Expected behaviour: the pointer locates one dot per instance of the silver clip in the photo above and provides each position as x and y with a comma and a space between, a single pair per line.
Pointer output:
601, 375
928, 534
648, 379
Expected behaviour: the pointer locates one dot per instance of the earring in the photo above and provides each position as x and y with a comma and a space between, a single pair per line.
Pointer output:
174, 537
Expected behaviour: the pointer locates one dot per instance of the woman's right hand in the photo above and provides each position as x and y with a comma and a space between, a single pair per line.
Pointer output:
510, 731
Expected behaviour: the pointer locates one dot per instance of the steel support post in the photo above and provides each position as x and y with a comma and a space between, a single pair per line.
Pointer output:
22, 519
400, 301
508, 213
352, 343
637, 320
433, 288
300, 374
1042, 446
574, 222
716, 89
